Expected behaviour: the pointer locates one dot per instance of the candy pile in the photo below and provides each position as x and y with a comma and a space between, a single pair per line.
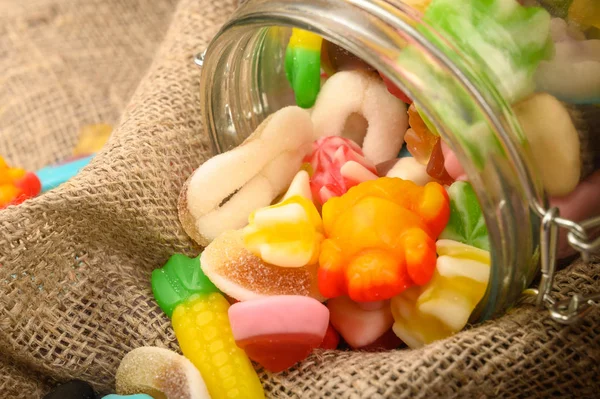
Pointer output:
318, 236
16, 185
345, 221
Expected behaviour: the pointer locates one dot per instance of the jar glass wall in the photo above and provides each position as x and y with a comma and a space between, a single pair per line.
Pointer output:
244, 80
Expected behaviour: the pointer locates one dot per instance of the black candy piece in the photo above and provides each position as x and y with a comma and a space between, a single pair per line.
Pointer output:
75, 389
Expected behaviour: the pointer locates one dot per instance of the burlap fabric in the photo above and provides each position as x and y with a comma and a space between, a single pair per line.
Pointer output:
75, 263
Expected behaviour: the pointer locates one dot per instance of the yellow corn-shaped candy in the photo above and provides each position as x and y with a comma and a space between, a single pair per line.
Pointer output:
443, 306
199, 317
205, 338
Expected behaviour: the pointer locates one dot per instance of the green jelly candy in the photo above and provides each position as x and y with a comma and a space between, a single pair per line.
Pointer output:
466, 223
303, 71
180, 278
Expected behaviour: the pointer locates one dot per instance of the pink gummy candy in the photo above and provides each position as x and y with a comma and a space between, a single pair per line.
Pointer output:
338, 164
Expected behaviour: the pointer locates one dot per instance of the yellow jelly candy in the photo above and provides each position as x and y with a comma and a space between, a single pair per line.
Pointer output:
287, 234
202, 328
443, 306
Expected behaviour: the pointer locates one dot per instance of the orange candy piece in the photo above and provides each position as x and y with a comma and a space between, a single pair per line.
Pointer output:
16, 185
381, 238
419, 139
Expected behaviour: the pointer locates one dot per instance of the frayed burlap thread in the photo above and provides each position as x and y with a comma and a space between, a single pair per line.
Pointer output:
74, 283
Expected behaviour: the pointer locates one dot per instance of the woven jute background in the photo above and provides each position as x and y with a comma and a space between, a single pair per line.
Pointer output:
75, 262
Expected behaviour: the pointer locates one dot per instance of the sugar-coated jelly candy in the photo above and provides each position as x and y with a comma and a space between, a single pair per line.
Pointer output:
466, 224
355, 96
443, 306
358, 326
436, 167
289, 233
303, 66
226, 189
381, 238
279, 331
419, 139
243, 276
160, 373
338, 163
201, 326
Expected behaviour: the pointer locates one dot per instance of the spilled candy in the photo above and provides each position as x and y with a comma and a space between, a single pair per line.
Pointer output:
289, 233
202, 329
92, 138
16, 185
466, 224
443, 306
381, 238
226, 189
244, 276
160, 373
350, 93
303, 66
358, 326
279, 331
337, 164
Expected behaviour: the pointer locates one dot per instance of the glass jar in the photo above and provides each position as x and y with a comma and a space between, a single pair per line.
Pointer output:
244, 80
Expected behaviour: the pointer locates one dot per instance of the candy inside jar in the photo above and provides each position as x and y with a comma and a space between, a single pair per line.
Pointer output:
375, 174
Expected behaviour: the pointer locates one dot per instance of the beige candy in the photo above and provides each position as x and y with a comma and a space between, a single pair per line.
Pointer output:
574, 73
350, 93
554, 142
409, 168
161, 374
221, 194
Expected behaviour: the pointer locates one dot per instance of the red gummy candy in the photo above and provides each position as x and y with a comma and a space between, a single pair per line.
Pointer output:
331, 340
330, 155
30, 185
278, 352
394, 90
436, 168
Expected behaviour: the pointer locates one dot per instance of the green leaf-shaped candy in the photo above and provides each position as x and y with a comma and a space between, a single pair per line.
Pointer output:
180, 278
466, 223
